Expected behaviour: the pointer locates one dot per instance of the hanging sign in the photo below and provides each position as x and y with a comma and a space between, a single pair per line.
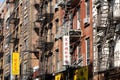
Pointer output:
66, 51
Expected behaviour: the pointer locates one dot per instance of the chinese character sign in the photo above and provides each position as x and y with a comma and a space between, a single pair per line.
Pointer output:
15, 63
66, 51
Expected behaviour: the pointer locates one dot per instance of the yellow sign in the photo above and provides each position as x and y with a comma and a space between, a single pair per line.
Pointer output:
81, 74
15, 63
58, 77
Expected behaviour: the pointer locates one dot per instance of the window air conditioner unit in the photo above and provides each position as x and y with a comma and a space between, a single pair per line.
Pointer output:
86, 21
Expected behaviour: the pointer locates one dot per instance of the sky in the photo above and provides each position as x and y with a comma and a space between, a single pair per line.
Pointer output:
1, 0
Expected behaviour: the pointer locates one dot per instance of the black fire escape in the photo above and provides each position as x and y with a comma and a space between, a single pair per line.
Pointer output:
13, 21
44, 18
70, 9
107, 30
1, 46
46, 46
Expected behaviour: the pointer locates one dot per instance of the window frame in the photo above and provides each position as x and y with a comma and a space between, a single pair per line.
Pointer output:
87, 3
87, 42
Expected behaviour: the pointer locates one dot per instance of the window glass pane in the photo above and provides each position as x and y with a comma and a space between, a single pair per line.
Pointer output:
56, 60
88, 51
87, 8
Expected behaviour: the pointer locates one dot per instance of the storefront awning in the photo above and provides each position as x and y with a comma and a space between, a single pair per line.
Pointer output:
58, 76
81, 74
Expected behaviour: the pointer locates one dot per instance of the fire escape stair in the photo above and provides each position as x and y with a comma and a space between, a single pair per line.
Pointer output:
104, 16
102, 30
108, 35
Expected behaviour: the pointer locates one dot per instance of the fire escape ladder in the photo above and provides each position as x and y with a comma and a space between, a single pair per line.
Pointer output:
67, 7
103, 29
110, 33
63, 29
104, 15
104, 57
44, 45
108, 36
41, 12
68, 22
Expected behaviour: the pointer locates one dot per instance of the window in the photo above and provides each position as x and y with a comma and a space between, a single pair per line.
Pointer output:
99, 50
51, 64
88, 51
57, 61
27, 2
24, 69
51, 8
99, 54
98, 16
50, 35
26, 43
111, 53
87, 8
78, 18
78, 51
7, 59
26, 19
57, 24
79, 60
57, 1
78, 14
70, 22
8, 39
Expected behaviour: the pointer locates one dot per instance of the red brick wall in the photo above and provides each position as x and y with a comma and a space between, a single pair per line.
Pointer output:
86, 31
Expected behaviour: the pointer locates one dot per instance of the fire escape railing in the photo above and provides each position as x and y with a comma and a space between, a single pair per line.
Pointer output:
70, 8
106, 32
1, 45
1, 29
44, 46
10, 1
44, 18
14, 34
